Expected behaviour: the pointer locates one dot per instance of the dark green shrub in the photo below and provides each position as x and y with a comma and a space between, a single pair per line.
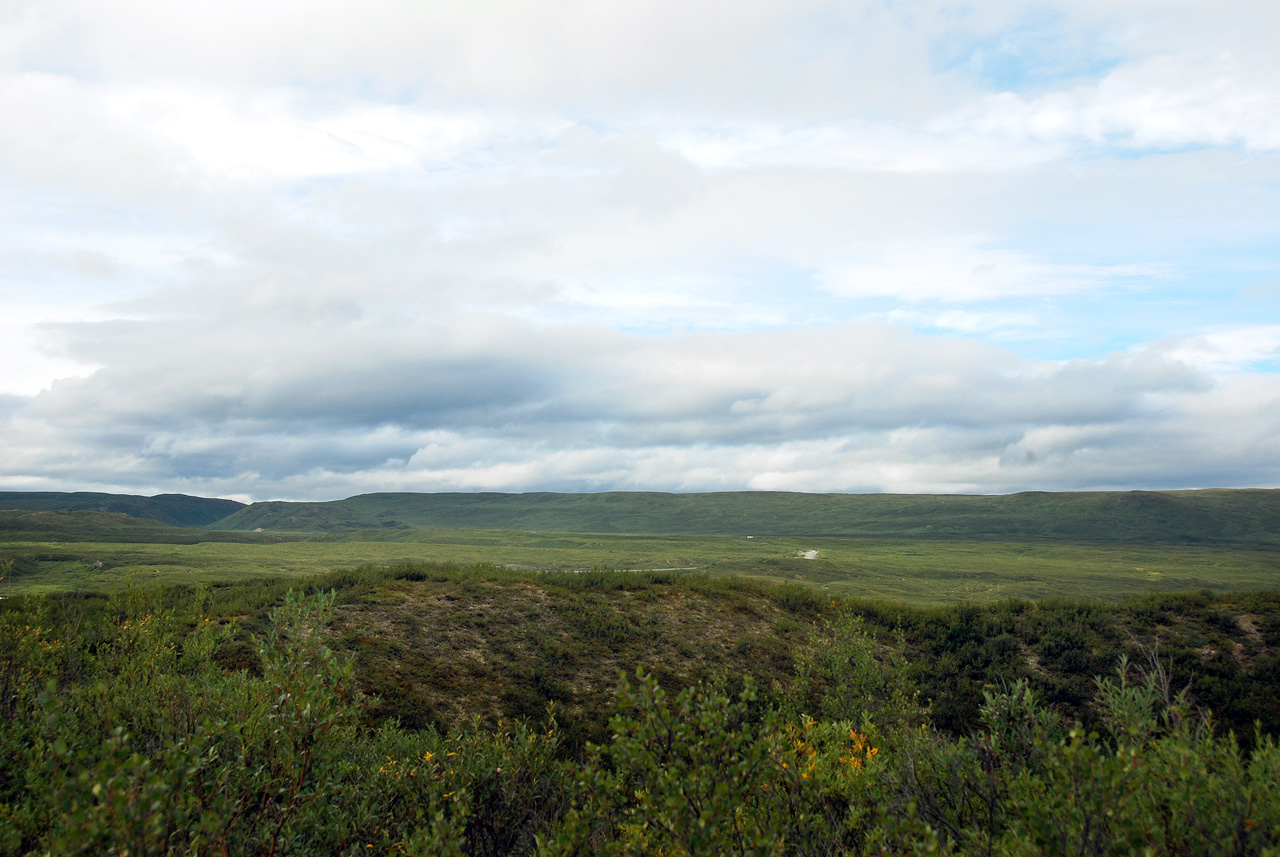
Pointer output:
700, 774
127, 727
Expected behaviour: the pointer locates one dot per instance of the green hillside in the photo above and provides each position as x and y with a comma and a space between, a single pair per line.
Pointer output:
17, 525
176, 510
1209, 516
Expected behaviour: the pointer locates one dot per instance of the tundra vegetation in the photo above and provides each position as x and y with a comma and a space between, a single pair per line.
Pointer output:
168, 690
473, 710
55, 551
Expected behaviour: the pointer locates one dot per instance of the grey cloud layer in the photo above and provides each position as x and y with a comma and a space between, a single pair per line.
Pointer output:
852, 406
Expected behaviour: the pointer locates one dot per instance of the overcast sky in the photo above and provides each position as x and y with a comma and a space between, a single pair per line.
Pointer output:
302, 250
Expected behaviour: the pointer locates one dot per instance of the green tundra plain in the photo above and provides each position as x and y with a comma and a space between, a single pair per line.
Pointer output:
918, 550
917, 572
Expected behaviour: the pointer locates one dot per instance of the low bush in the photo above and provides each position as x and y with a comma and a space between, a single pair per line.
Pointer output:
131, 735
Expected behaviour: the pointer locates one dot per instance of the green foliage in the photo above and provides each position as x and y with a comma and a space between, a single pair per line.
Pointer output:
845, 675
702, 773
155, 743
155, 751
124, 732
439, 644
1160, 783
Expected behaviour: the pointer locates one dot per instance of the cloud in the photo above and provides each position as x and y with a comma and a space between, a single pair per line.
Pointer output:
1233, 348
305, 249
965, 321
1164, 102
496, 51
483, 403
967, 271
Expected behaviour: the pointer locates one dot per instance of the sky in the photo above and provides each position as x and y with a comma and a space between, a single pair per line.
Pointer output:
305, 250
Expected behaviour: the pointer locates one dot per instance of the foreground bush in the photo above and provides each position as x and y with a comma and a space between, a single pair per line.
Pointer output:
154, 751
134, 742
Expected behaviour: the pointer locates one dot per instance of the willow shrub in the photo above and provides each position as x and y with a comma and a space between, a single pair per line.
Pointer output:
134, 742
704, 773
1159, 781
157, 752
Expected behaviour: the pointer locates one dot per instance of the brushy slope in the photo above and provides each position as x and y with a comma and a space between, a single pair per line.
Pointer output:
441, 644
1211, 516
125, 733
762, 720
177, 510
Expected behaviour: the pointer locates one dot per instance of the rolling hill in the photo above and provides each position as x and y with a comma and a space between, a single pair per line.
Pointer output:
1218, 516
1244, 516
176, 510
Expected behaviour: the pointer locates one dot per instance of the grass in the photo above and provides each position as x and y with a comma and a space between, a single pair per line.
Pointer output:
913, 571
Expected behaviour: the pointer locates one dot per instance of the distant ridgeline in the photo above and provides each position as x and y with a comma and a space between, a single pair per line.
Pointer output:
176, 510
1248, 516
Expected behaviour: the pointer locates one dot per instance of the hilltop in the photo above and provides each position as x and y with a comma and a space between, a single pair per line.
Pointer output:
1242, 516
1216, 516
176, 510
57, 525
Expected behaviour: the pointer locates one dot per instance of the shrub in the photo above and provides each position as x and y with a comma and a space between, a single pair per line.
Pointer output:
700, 774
